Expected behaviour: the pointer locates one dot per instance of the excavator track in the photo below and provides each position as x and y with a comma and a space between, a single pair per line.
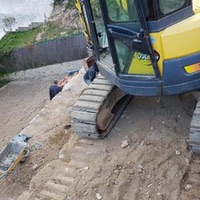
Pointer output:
194, 138
93, 114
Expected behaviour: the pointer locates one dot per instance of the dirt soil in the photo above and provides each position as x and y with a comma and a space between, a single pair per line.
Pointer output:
144, 157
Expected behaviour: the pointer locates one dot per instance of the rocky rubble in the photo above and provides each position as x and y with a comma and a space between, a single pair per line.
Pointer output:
67, 17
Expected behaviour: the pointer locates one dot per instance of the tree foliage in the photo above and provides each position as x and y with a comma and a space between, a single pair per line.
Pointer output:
8, 23
57, 2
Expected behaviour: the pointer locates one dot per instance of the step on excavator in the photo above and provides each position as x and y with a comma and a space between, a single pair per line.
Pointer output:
142, 48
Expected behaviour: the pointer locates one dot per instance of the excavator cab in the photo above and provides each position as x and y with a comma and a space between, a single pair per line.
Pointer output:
146, 47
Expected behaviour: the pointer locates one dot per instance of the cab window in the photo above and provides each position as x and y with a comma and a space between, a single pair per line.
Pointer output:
126, 11
170, 6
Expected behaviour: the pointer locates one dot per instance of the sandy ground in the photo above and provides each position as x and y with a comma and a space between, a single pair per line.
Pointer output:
155, 162
20, 102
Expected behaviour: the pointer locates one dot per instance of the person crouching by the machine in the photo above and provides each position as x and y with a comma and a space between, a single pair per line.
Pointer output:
91, 74
56, 87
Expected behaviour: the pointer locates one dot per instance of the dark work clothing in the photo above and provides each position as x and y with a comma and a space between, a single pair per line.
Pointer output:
53, 91
90, 75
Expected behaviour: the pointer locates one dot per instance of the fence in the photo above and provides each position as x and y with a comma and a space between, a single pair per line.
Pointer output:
46, 53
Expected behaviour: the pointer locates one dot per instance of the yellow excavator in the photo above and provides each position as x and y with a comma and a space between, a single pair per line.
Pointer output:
142, 48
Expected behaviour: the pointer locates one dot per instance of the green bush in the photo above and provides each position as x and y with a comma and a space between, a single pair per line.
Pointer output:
3, 82
18, 39
57, 2
70, 4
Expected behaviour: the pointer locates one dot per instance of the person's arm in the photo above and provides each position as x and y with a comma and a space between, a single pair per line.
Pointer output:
63, 82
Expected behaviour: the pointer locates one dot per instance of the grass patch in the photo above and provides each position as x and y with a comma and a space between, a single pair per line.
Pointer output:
52, 30
48, 31
57, 2
70, 4
18, 39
